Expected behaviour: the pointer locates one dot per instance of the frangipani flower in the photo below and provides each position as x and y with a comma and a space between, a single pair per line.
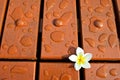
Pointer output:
81, 59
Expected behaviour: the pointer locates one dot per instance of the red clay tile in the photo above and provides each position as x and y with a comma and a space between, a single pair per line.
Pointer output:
59, 31
58, 71
17, 70
19, 39
99, 30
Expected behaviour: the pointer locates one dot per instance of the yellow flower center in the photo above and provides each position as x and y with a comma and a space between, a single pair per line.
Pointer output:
80, 59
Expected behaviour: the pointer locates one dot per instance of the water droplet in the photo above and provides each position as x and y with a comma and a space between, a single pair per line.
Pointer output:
47, 48
48, 27
57, 36
101, 72
67, 44
18, 70
11, 25
54, 78
29, 14
98, 23
90, 9
65, 77
103, 37
34, 7
4, 46
74, 42
4, 67
26, 41
111, 25
90, 41
101, 48
50, 4
48, 15
86, 1
30, 30
63, 4
109, 14
12, 49
46, 73
56, 14
35, 19
104, 3
25, 3
113, 72
95, 24
99, 9
58, 22
112, 40
66, 17
21, 22
17, 13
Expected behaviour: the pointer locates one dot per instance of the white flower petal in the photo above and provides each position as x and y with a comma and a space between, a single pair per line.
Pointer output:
77, 67
73, 58
86, 65
79, 51
88, 56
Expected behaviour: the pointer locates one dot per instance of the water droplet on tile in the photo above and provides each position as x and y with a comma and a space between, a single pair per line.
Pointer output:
25, 3
101, 72
66, 17
54, 78
17, 13
33, 7
101, 48
95, 24
65, 77
90, 41
57, 36
29, 14
73, 24
99, 9
63, 4
74, 42
21, 22
12, 49
109, 14
98, 23
4, 46
18, 70
46, 73
50, 4
112, 40
48, 27
103, 37
56, 14
86, 1
58, 22
104, 3
23, 50
30, 30
47, 48
26, 41
90, 9
48, 15
67, 44
11, 25
113, 72
35, 19
111, 25
4, 67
